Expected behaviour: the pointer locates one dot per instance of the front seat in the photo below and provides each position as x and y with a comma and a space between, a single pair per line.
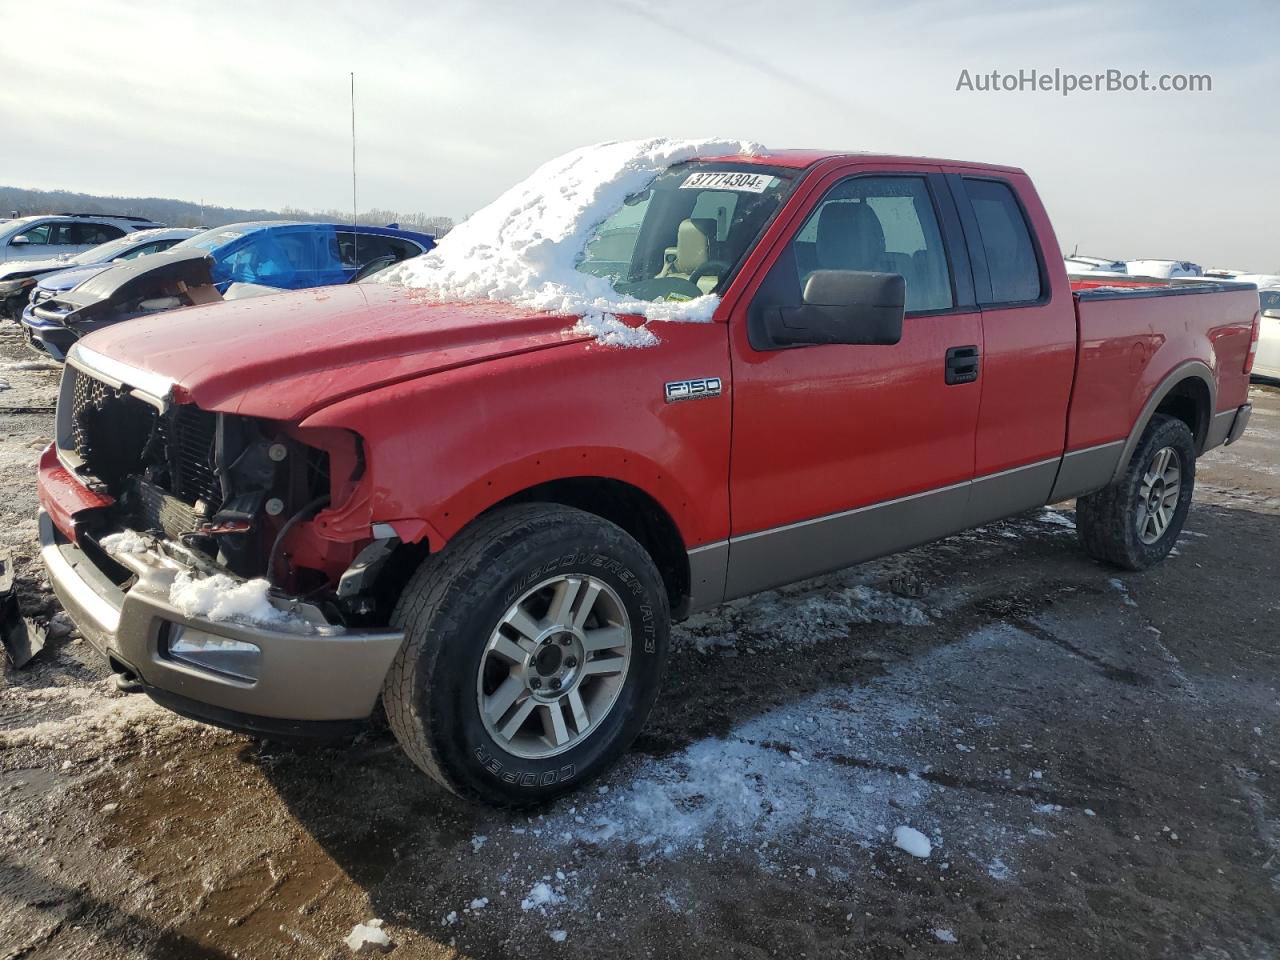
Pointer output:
694, 240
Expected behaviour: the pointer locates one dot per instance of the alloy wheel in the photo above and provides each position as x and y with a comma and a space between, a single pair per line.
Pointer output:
1158, 495
554, 666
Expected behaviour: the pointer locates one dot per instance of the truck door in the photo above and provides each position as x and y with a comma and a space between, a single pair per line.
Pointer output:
1029, 342
842, 453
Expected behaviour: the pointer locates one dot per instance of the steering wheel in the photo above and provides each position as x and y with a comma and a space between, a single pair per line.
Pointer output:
712, 268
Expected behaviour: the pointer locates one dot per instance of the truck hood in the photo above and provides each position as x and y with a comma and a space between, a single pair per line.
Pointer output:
287, 355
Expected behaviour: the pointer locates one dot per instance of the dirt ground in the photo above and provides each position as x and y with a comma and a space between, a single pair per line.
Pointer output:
1094, 758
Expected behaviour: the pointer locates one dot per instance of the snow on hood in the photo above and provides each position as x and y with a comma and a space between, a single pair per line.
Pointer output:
523, 246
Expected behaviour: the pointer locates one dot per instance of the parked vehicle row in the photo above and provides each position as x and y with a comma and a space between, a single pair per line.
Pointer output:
280, 512
200, 266
52, 235
19, 278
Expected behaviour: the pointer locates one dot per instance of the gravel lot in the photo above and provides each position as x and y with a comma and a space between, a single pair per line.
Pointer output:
1094, 758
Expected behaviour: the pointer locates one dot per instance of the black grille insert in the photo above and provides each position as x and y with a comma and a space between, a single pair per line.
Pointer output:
122, 439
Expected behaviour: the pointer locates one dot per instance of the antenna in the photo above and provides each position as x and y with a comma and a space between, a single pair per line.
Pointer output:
355, 238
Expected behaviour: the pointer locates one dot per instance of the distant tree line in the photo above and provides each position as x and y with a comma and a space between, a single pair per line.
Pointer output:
17, 201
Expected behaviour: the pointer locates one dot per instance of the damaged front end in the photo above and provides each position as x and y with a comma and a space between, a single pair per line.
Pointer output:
135, 288
184, 543
225, 487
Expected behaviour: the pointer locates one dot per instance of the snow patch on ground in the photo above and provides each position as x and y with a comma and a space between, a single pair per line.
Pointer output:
522, 247
10, 366
776, 619
913, 841
773, 776
102, 720
1119, 586
541, 895
1048, 515
364, 936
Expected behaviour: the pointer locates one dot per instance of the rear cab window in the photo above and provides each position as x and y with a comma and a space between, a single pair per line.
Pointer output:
1005, 235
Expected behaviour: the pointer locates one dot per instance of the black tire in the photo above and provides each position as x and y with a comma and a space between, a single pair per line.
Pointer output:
1107, 521
452, 605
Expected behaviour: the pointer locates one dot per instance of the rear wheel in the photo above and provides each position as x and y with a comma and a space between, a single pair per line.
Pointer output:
534, 649
1135, 521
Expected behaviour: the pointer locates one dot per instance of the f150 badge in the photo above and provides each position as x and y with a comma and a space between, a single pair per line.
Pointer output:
693, 389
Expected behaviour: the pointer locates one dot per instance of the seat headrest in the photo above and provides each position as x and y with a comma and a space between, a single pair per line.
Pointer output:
693, 243
850, 237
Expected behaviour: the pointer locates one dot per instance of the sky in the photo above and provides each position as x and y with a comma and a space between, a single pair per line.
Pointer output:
247, 104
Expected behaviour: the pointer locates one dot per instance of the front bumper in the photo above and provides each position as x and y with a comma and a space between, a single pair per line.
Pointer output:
320, 678
50, 339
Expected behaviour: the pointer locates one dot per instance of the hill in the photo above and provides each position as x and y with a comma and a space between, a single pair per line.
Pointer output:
19, 201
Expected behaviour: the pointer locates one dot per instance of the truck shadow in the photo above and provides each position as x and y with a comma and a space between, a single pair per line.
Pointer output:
390, 835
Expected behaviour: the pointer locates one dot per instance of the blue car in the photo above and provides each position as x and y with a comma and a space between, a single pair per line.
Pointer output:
259, 256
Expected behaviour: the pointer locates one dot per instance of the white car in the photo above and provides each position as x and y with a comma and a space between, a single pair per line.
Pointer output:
1164, 269
51, 235
1266, 366
1077, 263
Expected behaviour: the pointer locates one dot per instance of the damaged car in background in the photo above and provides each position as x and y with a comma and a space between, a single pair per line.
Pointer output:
19, 279
231, 262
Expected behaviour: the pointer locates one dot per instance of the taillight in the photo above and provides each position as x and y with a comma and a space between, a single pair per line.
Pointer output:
1253, 343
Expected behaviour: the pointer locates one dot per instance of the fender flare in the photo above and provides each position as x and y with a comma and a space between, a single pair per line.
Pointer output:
1190, 370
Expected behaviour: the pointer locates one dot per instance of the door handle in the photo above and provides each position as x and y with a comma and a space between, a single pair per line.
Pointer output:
963, 364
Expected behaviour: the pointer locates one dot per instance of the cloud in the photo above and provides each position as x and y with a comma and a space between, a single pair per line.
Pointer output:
246, 103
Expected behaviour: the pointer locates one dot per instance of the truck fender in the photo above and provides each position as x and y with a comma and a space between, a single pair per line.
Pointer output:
1190, 370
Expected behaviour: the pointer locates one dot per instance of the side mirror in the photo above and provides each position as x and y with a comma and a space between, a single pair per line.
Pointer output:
842, 306
1272, 314
19, 241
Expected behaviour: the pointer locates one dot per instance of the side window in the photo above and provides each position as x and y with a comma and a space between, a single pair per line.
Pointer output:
37, 235
1006, 239
93, 233
357, 249
155, 246
881, 225
64, 234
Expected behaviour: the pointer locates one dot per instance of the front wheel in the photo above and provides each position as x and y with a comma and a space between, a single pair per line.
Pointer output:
1135, 521
534, 649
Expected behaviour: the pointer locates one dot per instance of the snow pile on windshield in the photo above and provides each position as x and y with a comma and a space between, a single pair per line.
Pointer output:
522, 248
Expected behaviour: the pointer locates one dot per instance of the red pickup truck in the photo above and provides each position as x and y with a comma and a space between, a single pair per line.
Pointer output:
479, 513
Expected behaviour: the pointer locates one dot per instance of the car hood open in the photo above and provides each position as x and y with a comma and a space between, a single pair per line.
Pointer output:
286, 355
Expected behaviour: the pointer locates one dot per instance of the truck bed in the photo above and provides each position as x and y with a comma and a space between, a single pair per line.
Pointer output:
1136, 333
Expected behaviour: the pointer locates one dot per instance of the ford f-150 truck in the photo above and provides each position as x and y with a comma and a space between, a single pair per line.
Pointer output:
272, 514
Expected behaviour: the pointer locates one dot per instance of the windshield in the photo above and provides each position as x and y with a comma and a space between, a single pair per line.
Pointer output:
217, 237
683, 237
109, 250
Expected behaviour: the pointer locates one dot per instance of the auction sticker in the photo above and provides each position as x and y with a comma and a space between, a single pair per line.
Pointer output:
727, 180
